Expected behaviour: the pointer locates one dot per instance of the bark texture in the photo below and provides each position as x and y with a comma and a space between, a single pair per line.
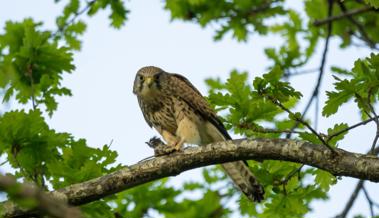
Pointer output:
344, 163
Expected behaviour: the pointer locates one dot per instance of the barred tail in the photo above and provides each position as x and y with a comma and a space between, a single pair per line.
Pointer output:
238, 171
244, 179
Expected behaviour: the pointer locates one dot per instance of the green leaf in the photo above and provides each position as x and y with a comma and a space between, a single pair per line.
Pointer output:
34, 65
345, 91
373, 3
247, 207
118, 14
363, 86
324, 179
295, 116
336, 129
310, 137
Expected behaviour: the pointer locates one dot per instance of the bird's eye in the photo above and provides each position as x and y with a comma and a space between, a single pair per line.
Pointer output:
140, 77
156, 76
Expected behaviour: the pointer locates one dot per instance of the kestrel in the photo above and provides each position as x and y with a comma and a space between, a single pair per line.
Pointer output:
177, 110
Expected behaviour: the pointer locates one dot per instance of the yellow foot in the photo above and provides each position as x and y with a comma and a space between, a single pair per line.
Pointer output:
178, 145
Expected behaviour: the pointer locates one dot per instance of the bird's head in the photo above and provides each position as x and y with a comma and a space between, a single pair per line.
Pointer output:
148, 81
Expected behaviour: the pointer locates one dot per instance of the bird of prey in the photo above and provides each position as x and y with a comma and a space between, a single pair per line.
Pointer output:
177, 110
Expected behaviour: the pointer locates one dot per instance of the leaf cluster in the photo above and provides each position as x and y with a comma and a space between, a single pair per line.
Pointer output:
361, 84
33, 62
47, 158
289, 189
31, 65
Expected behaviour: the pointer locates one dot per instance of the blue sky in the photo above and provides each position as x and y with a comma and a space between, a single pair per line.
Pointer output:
103, 107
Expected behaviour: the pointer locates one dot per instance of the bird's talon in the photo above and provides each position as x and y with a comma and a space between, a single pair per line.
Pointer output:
178, 146
163, 150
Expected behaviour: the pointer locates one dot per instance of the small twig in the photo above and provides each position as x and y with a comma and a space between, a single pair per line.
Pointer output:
290, 175
110, 143
146, 158
15, 149
330, 19
361, 29
360, 99
262, 8
375, 140
29, 73
323, 59
369, 200
45, 203
376, 119
350, 128
300, 120
298, 73
352, 199
72, 20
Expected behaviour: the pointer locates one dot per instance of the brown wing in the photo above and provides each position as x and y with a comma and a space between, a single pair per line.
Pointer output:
238, 171
188, 93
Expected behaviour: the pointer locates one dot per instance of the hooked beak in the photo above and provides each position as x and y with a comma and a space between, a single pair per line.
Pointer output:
149, 81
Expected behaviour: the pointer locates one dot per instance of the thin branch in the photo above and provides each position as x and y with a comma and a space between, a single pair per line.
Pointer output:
323, 60
376, 119
351, 200
368, 113
288, 73
362, 45
29, 73
361, 29
321, 68
262, 8
72, 20
369, 200
354, 12
290, 175
317, 113
355, 193
345, 164
350, 128
300, 120
375, 140
45, 203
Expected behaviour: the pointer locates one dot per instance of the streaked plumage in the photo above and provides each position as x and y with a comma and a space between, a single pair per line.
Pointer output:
178, 111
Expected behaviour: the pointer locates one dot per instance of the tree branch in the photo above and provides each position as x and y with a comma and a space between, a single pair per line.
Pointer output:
300, 120
352, 199
72, 20
316, 90
45, 204
350, 128
359, 26
355, 193
345, 164
343, 15
370, 201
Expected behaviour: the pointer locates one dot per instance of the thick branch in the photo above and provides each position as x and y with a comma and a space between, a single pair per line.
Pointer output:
344, 164
355, 193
